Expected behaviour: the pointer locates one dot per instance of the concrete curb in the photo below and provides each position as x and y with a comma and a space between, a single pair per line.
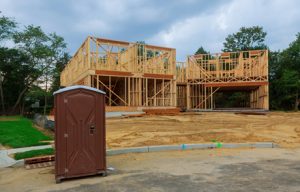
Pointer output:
156, 148
6, 161
24, 149
127, 150
18, 163
164, 148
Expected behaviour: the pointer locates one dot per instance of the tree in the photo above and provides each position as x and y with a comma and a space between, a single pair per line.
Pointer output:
34, 43
248, 38
56, 55
14, 70
290, 83
284, 70
201, 50
43, 52
60, 65
35, 60
7, 28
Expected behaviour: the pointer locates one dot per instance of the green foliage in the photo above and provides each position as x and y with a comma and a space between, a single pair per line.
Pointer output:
34, 153
19, 132
232, 99
141, 48
59, 66
285, 77
36, 59
14, 70
248, 38
201, 50
7, 27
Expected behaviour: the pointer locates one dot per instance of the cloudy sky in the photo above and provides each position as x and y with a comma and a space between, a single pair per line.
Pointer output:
181, 24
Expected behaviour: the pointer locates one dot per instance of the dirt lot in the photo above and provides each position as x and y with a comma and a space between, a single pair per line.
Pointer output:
279, 127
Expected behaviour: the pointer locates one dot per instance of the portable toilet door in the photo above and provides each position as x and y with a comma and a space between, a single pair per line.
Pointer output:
79, 132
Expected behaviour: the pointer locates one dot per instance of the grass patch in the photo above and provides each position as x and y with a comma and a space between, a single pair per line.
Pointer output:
18, 131
34, 153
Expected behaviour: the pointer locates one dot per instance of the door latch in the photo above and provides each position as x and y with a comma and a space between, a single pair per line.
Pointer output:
92, 128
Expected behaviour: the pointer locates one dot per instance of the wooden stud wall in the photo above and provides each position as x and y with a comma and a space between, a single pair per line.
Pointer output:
229, 66
181, 72
133, 91
132, 74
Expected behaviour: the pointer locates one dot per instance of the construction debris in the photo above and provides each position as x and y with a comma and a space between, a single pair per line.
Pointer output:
40, 159
162, 111
40, 165
133, 115
250, 113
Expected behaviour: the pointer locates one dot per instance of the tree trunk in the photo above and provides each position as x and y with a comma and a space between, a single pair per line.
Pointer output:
45, 106
19, 99
2, 98
297, 102
22, 108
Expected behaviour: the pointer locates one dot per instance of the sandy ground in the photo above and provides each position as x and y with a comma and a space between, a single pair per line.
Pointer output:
194, 170
282, 128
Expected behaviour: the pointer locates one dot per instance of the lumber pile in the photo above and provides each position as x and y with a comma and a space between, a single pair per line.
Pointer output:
132, 115
39, 162
40, 159
250, 113
119, 108
162, 111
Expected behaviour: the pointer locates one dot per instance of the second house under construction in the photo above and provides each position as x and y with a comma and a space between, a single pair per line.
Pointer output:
209, 76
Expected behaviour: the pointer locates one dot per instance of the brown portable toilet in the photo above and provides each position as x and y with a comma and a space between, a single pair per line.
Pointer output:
79, 132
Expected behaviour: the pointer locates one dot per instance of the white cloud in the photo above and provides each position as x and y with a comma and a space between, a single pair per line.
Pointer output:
184, 25
188, 35
279, 18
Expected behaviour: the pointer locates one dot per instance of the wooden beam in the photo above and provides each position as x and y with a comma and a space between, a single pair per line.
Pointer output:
113, 73
158, 76
158, 47
110, 41
236, 84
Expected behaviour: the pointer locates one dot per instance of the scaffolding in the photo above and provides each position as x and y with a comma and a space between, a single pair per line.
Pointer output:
131, 74
209, 74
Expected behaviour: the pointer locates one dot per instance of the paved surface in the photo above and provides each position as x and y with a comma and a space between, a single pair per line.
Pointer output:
196, 170
6, 161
